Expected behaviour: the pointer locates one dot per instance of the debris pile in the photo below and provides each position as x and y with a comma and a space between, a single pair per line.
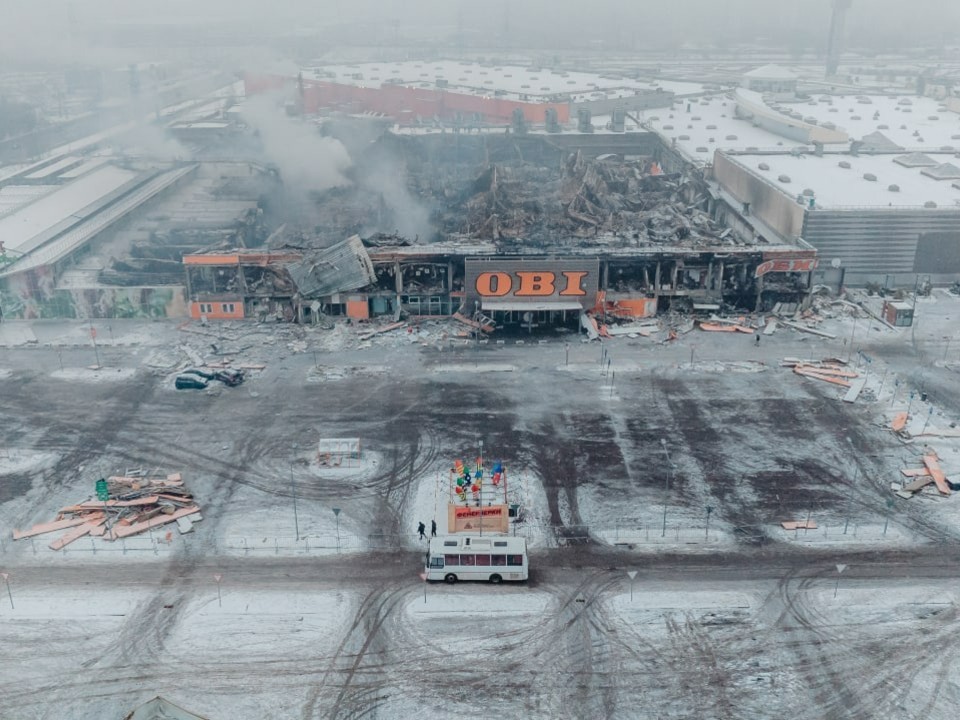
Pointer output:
718, 324
588, 198
830, 370
126, 505
930, 474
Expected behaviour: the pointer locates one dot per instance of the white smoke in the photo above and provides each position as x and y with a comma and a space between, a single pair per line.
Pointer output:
150, 141
410, 219
306, 160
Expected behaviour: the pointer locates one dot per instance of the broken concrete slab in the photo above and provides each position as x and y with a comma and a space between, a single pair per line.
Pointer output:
806, 329
184, 525
856, 387
918, 484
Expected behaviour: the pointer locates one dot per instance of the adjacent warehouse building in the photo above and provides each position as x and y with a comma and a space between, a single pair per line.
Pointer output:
884, 218
97, 236
467, 92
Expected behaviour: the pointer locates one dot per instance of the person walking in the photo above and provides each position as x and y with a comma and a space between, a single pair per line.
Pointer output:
422, 529
433, 528
758, 340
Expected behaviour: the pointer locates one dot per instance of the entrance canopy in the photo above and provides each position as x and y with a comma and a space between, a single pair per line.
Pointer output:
528, 306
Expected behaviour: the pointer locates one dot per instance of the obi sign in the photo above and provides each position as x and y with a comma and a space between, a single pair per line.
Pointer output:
786, 266
533, 281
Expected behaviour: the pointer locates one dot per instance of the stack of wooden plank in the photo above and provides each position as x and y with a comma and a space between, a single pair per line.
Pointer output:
826, 370
799, 524
720, 327
931, 472
719, 324
136, 503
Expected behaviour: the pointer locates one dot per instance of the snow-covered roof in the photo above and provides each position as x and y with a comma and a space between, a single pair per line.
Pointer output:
19, 228
484, 79
866, 181
14, 197
771, 72
711, 125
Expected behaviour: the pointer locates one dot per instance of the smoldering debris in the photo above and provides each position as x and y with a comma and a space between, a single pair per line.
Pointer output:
589, 198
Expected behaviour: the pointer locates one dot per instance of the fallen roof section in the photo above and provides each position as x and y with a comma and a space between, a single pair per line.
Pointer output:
339, 268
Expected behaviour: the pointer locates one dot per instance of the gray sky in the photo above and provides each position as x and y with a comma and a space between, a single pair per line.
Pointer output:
41, 28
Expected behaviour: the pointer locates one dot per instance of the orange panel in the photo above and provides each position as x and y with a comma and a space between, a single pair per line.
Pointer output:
633, 307
358, 309
218, 310
938, 477
211, 259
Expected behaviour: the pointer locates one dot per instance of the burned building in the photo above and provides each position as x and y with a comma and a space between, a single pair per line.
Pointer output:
529, 231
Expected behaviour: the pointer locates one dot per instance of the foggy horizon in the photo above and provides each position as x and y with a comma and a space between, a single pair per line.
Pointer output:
105, 31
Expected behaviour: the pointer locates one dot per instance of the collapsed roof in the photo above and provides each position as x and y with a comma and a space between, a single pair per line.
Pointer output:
338, 268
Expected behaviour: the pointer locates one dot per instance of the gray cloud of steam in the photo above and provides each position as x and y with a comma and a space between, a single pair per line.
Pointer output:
306, 160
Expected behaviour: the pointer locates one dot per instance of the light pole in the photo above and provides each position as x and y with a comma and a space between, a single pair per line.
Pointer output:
666, 488
93, 339
852, 333
480, 467
840, 569
336, 513
927, 421
6, 581
293, 494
